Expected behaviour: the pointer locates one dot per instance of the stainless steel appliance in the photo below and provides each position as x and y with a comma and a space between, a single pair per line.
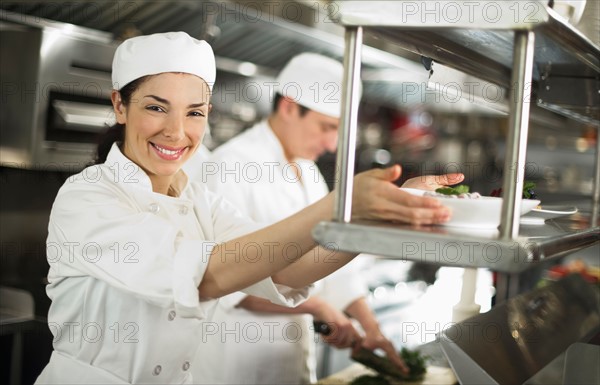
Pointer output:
533, 338
56, 88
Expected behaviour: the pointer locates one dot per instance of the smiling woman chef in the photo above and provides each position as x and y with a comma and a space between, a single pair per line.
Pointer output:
138, 255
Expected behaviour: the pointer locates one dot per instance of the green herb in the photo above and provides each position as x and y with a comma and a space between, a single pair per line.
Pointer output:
367, 379
460, 189
378, 363
416, 362
528, 192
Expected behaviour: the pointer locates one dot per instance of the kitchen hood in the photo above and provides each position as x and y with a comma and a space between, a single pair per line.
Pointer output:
251, 39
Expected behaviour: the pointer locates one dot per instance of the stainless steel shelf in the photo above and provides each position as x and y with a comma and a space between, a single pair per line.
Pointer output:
462, 247
524, 45
477, 38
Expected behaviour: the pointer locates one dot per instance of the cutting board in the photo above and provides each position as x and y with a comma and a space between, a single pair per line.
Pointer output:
436, 375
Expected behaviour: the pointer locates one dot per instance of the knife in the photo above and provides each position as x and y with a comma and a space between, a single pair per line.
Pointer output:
365, 356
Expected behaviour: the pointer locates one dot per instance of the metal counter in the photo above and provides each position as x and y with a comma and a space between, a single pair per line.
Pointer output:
526, 339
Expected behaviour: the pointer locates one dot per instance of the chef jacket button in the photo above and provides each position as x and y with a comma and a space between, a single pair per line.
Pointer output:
183, 210
157, 370
186, 365
172, 315
154, 208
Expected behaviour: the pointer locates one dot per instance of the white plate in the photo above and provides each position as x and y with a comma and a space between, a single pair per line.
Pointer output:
539, 216
481, 213
550, 212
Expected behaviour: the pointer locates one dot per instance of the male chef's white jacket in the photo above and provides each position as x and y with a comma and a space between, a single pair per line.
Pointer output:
252, 172
125, 266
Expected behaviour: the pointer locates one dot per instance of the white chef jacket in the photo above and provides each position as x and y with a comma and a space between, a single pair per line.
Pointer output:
251, 171
193, 166
125, 266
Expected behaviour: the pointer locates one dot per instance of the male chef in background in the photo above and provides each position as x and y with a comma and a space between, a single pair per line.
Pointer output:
269, 173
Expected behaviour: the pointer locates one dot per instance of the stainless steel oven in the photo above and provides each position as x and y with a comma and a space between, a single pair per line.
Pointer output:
56, 84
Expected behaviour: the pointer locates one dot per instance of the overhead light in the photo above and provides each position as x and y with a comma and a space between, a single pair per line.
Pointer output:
243, 68
247, 69
455, 86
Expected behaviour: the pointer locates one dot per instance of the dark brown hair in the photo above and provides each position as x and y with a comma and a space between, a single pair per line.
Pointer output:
116, 133
278, 96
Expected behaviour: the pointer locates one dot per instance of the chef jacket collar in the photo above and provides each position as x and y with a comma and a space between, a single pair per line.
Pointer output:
273, 144
128, 172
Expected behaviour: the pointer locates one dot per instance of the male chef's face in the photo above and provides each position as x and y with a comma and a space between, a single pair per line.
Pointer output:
312, 134
165, 121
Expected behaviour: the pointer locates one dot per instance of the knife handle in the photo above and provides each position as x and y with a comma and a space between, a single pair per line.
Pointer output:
322, 328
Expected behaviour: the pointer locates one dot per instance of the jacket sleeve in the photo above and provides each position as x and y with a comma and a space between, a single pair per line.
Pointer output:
229, 223
94, 231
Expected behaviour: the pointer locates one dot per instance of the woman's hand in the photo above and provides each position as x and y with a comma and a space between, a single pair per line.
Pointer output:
433, 182
375, 196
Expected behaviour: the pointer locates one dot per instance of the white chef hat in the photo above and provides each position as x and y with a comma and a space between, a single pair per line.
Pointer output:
163, 52
313, 81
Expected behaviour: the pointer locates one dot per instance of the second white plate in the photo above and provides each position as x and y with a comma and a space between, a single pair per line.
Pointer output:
540, 216
550, 212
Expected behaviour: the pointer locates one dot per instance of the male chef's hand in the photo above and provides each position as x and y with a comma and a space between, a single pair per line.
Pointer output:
375, 196
433, 182
343, 334
374, 339
359, 309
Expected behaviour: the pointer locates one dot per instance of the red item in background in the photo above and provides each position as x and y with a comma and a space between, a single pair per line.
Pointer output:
590, 274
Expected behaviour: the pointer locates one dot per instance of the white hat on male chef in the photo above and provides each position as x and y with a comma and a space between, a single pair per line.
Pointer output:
313, 81
163, 52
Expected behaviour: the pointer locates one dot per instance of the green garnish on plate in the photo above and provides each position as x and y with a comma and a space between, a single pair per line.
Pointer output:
457, 190
528, 192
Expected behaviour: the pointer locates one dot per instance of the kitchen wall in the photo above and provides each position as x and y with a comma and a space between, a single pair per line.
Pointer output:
25, 200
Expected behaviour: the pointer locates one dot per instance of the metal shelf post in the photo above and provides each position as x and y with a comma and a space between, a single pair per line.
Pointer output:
347, 144
518, 127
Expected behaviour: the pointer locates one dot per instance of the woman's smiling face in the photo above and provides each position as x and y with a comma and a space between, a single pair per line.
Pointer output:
164, 123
